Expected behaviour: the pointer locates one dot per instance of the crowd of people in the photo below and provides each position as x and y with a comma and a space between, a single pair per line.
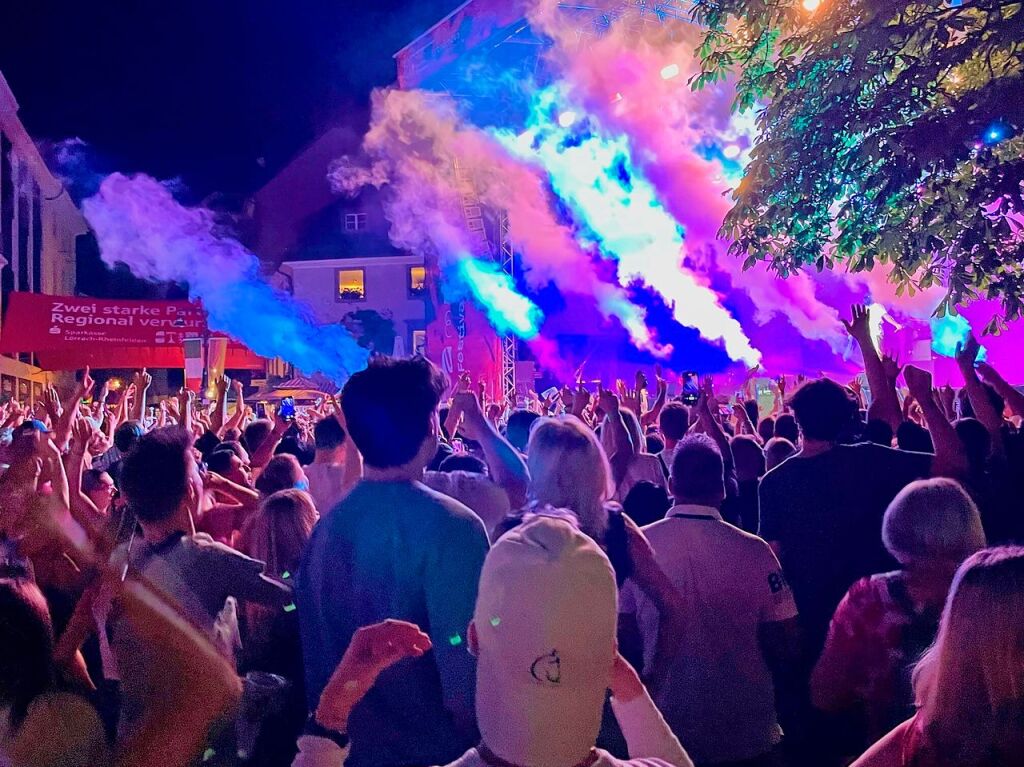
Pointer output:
409, 575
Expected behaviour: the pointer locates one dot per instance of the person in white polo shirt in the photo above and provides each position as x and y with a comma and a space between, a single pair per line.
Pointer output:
739, 615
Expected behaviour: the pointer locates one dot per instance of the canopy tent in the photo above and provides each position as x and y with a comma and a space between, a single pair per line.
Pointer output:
300, 388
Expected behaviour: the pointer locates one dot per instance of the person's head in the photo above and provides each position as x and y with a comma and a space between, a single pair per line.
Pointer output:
753, 411
748, 457
26, 634
463, 462
823, 409
766, 428
278, 531
673, 422
99, 487
932, 521
391, 411
646, 502
698, 472
569, 469
159, 477
777, 450
256, 432
653, 444
543, 632
328, 436
636, 434
912, 436
787, 428
230, 466
127, 435
517, 428
976, 440
970, 684
282, 472
878, 432
293, 445
233, 434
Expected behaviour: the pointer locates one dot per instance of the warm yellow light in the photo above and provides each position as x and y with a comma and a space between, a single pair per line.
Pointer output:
811, 5
114, 384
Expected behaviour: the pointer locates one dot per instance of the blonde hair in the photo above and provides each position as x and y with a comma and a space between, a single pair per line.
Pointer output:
932, 519
970, 684
569, 469
275, 535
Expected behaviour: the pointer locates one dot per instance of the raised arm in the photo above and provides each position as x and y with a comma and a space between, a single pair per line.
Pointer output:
885, 405
507, 467
623, 448
966, 356
142, 380
650, 417
220, 408
1010, 395
950, 454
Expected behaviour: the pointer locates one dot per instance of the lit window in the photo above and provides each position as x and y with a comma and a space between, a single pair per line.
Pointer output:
419, 342
355, 222
351, 285
417, 282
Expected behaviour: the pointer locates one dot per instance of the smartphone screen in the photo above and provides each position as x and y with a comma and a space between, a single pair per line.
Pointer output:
691, 387
287, 408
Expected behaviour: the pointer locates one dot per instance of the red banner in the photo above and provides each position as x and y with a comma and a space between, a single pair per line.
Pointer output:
460, 340
67, 332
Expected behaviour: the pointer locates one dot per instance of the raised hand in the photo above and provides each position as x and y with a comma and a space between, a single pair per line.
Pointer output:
87, 383
859, 326
372, 650
467, 405
967, 354
919, 382
222, 384
607, 401
580, 399
891, 366
142, 380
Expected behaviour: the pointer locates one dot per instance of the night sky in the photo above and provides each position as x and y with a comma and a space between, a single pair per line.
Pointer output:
220, 93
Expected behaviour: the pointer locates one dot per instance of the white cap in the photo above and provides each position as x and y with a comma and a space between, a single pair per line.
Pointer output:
545, 623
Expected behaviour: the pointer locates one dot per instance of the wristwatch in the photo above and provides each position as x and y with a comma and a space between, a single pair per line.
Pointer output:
314, 728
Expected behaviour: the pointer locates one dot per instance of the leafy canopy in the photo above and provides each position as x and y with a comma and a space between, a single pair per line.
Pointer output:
890, 133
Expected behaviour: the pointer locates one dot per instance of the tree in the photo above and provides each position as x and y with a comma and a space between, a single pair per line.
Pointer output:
890, 134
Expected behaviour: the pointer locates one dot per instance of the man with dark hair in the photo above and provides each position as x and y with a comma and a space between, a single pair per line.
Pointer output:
126, 436
393, 548
787, 428
327, 475
718, 696
822, 509
517, 429
673, 422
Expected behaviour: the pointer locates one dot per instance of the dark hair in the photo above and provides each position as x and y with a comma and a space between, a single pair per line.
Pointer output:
822, 408
674, 420
389, 407
766, 428
219, 461
127, 435
463, 462
646, 502
976, 439
517, 428
282, 472
235, 447
26, 634
698, 471
879, 432
91, 479
328, 434
293, 445
787, 428
154, 476
912, 436
234, 434
753, 411
748, 457
255, 433
654, 444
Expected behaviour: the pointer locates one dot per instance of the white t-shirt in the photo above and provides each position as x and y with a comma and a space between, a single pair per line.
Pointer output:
477, 491
326, 485
719, 697
644, 466
650, 741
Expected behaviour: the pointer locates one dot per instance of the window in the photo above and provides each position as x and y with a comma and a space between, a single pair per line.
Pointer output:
419, 342
351, 285
417, 282
355, 222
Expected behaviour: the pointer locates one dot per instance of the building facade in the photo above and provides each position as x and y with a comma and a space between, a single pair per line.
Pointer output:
39, 224
332, 252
